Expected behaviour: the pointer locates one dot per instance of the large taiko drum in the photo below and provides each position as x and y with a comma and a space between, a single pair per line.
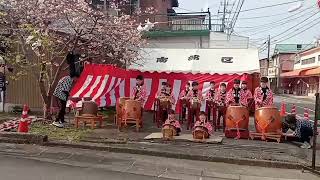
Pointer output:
200, 132
89, 108
168, 131
237, 117
268, 120
132, 111
120, 107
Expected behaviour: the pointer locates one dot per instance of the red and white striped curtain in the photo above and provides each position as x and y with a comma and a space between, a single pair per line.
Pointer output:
105, 83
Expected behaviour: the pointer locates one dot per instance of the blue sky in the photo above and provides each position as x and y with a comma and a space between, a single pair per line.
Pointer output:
278, 23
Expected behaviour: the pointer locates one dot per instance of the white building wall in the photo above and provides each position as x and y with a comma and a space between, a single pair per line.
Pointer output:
222, 40
179, 42
214, 41
316, 55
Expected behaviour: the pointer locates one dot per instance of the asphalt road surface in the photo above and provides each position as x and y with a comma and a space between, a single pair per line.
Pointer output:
299, 103
12, 168
28, 162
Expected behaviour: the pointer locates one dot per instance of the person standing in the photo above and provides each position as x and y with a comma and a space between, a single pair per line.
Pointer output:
183, 99
139, 92
61, 93
210, 103
220, 100
245, 94
263, 95
195, 98
233, 96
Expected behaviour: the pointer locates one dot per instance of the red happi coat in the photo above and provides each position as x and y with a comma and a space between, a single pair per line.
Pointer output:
220, 98
183, 94
173, 122
245, 95
258, 97
140, 94
204, 124
161, 93
210, 95
191, 95
230, 97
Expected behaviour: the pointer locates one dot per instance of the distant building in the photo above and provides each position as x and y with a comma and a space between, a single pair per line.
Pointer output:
303, 80
264, 67
282, 59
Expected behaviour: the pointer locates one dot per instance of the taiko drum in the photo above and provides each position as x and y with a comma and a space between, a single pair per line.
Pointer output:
168, 131
120, 107
132, 110
90, 108
268, 120
200, 132
237, 117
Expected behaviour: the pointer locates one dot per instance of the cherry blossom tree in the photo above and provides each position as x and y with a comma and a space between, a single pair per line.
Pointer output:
43, 32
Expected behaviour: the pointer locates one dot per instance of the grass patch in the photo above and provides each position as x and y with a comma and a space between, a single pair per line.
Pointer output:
68, 133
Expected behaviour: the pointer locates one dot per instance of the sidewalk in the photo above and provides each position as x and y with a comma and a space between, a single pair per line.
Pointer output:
244, 152
89, 161
307, 99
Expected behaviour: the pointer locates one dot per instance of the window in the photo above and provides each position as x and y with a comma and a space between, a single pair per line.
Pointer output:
308, 61
299, 46
319, 58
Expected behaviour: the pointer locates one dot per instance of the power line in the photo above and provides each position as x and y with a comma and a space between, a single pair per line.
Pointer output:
297, 24
258, 17
288, 18
267, 28
307, 28
233, 23
274, 5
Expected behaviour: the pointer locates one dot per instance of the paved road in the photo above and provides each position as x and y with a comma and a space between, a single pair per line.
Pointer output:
29, 162
13, 168
300, 104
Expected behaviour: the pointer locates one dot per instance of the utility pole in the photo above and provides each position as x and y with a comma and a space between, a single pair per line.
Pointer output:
268, 48
224, 13
105, 5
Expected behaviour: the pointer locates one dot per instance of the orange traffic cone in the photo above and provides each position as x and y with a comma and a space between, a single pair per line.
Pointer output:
24, 122
283, 109
293, 109
306, 114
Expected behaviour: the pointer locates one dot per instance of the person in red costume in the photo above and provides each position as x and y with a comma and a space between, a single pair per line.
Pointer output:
203, 122
245, 94
172, 120
233, 96
263, 95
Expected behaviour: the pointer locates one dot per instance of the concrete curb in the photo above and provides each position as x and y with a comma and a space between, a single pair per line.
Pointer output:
23, 138
239, 161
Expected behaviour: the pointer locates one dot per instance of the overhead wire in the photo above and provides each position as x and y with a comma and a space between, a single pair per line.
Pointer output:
283, 20
268, 6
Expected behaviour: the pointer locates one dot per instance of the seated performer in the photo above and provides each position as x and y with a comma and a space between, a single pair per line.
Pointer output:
245, 94
172, 120
210, 102
203, 122
195, 98
139, 92
303, 129
233, 96
263, 96
220, 100
182, 98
